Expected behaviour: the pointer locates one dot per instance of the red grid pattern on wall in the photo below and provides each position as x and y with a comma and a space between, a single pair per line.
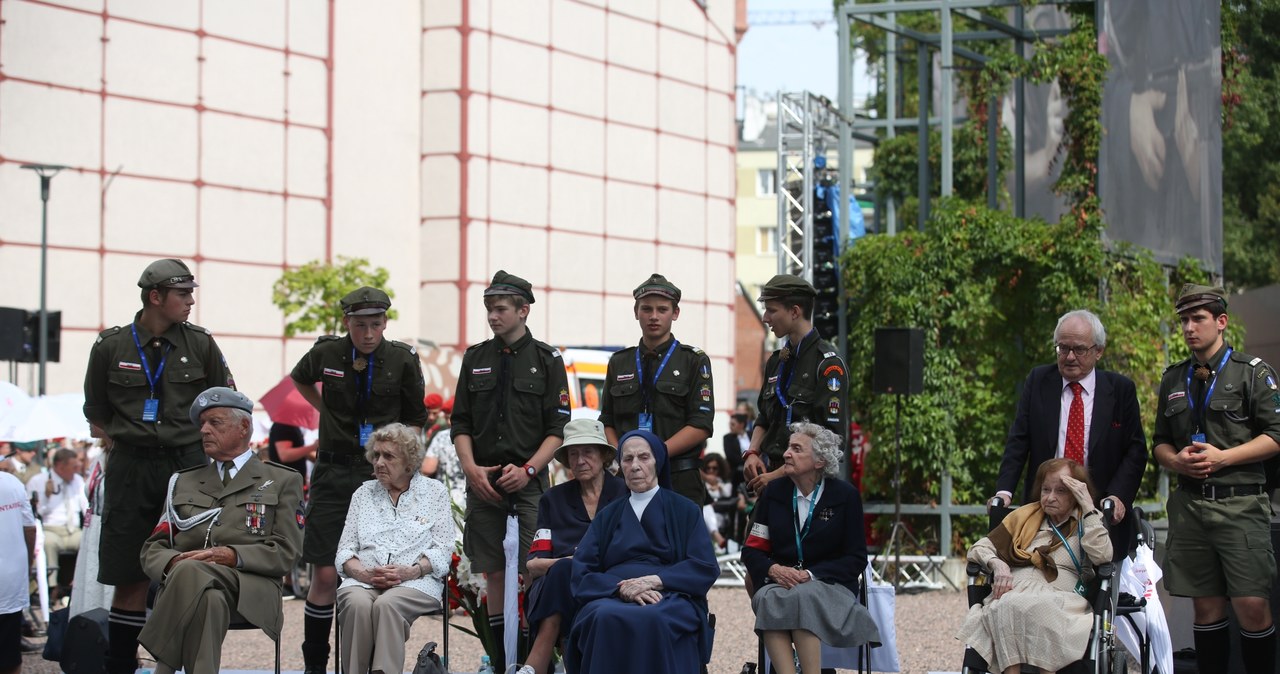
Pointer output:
465, 154
105, 175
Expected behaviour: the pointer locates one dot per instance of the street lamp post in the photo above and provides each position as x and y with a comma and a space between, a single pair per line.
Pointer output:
46, 173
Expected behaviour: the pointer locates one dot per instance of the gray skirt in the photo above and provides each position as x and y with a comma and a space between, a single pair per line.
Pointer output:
828, 610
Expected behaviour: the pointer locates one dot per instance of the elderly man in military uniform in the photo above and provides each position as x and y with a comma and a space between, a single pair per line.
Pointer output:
508, 420
664, 386
369, 382
230, 530
805, 380
140, 382
1217, 424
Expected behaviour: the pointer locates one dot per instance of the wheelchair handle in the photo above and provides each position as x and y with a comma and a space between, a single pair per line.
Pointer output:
1108, 510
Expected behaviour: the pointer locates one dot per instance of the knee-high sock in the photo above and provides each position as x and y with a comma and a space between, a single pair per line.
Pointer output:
1213, 646
122, 637
1258, 650
497, 626
317, 623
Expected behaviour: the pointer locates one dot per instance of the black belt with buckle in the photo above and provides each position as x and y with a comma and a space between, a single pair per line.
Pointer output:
684, 463
1216, 492
341, 459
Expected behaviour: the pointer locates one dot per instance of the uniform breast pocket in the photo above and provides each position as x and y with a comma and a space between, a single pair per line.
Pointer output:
626, 397
192, 504
673, 394
1231, 407
254, 513
335, 390
387, 386
528, 395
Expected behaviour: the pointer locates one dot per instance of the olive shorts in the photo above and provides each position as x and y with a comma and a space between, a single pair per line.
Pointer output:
1219, 548
486, 524
329, 499
134, 488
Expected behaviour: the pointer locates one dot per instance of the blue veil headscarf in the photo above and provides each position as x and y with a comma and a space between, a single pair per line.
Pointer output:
659, 449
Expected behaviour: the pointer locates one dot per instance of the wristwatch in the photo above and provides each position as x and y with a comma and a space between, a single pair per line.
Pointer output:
530, 470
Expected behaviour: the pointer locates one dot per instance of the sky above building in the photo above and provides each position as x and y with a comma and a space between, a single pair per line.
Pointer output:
798, 56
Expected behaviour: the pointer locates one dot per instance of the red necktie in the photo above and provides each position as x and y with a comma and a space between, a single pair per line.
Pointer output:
1075, 425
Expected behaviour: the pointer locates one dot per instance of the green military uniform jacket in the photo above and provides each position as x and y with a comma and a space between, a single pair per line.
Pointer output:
261, 519
508, 415
814, 383
683, 394
116, 387
397, 389
1245, 404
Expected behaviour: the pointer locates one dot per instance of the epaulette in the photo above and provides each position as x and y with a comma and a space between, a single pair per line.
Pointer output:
107, 333
477, 345
326, 338
1181, 363
689, 347
191, 468
277, 465
192, 326
404, 346
555, 353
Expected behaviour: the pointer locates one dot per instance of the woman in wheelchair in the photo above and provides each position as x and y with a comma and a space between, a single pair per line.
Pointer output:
806, 552
1041, 556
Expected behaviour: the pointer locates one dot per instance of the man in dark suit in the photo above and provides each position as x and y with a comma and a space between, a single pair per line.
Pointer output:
736, 441
1076, 411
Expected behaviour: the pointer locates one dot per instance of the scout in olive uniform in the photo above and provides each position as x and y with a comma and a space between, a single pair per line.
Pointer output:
229, 531
805, 380
1217, 422
369, 382
663, 386
508, 420
140, 382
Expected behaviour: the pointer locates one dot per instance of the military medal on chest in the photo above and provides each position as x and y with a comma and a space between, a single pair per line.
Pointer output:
255, 520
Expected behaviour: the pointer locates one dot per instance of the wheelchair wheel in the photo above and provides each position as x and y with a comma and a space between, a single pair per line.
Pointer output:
1119, 662
301, 579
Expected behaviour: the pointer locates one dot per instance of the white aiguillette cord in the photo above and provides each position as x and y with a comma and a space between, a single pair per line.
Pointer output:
190, 522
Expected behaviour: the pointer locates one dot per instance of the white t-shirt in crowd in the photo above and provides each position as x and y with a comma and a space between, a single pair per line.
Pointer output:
15, 514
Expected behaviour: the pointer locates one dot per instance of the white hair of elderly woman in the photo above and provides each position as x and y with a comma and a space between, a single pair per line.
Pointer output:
400, 437
826, 445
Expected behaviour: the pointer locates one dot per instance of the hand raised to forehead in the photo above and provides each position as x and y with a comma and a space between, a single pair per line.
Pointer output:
1081, 492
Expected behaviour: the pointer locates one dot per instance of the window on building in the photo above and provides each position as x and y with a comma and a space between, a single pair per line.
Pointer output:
766, 240
765, 182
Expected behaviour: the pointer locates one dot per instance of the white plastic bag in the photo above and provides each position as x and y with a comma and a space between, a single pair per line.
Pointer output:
1138, 577
881, 603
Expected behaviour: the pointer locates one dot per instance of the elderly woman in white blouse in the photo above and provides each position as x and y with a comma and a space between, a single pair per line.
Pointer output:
394, 553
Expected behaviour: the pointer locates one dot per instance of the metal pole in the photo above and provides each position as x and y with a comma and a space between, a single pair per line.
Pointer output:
948, 118
806, 257
1019, 127
46, 173
922, 135
993, 146
845, 191
891, 110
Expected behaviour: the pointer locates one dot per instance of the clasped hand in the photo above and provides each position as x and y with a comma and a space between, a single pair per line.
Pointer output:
643, 590
388, 576
217, 555
787, 576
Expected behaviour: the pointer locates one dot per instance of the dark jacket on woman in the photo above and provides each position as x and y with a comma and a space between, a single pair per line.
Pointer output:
835, 549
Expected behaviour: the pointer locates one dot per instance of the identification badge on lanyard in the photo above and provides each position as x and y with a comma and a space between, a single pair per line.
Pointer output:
150, 410
366, 430
1080, 588
1198, 437
646, 422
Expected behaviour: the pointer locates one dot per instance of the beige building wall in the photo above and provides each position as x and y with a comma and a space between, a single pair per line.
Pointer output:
581, 144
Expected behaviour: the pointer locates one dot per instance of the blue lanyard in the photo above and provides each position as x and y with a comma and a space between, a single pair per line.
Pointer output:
795, 511
146, 365
1065, 544
1208, 394
780, 386
661, 366
368, 382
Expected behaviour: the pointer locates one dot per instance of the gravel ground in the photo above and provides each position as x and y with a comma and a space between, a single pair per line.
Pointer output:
925, 623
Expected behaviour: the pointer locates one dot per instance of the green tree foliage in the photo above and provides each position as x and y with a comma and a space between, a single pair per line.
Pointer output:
310, 295
1250, 143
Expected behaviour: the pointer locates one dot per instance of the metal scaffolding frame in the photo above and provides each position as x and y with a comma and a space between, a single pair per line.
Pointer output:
883, 15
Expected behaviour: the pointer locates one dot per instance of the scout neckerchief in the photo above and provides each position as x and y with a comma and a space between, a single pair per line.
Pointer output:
151, 406
801, 532
646, 384
1080, 587
1198, 414
781, 385
363, 396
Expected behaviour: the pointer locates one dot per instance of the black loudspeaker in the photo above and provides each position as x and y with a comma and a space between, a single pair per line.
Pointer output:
13, 325
85, 647
899, 360
54, 332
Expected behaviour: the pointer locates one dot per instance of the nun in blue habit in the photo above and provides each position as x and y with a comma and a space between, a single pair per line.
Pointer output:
641, 575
